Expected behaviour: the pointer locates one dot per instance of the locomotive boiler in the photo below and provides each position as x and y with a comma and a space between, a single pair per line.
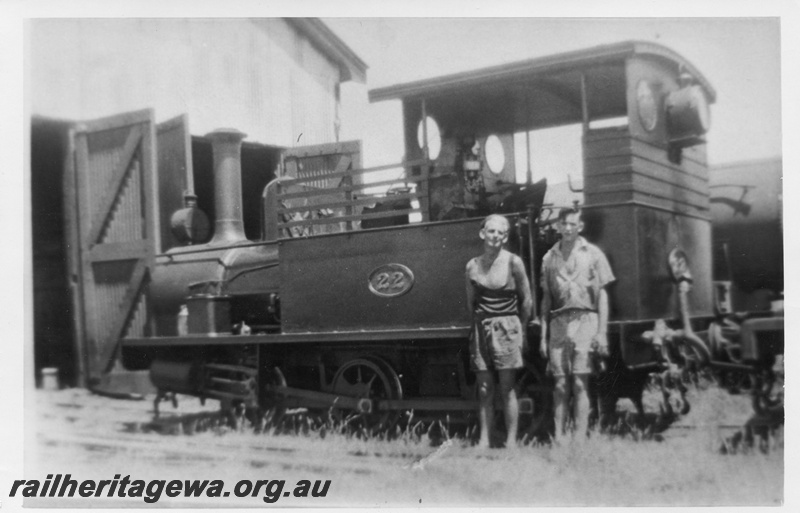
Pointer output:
354, 300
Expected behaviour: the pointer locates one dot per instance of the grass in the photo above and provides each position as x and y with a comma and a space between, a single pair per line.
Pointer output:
422, 463
682, 467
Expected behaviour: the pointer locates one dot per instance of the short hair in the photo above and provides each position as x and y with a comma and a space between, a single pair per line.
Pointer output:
568, 211
498, 217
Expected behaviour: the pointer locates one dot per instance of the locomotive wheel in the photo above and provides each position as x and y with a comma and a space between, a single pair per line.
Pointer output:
534, 383
369, 377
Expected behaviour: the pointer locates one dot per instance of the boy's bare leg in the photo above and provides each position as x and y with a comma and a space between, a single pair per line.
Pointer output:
561, 402
510, 405
581, 405
485, 384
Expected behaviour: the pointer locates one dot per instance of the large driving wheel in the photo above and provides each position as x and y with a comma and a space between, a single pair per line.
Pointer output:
369, 377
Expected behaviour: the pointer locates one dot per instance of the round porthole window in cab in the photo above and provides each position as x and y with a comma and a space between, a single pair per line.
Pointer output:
434, 137
646, 105
495, 154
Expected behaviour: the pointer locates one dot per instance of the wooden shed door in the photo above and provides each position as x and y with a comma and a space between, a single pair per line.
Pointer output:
174, 173
115, 226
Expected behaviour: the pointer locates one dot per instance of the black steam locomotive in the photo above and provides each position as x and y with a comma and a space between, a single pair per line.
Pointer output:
354, 300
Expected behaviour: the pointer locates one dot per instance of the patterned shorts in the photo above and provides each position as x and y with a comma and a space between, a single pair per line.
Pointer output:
496, 343
571, 335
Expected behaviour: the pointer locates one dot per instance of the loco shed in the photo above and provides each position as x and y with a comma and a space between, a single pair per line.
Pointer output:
354, 299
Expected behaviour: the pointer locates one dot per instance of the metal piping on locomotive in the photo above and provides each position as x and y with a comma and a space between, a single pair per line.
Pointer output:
690, 337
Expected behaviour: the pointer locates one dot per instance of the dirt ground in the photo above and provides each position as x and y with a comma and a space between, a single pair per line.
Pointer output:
94, 437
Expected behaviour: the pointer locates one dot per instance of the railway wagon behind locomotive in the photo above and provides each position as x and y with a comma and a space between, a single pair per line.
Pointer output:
355, 300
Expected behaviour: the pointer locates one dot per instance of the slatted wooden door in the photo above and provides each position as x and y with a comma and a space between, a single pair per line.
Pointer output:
320, 160
321, 166
174, 156
113, 191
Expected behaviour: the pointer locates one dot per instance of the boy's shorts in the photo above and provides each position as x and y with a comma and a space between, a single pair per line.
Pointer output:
496, 344
571, 335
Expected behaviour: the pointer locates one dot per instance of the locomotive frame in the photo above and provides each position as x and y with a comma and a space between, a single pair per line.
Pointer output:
347, 305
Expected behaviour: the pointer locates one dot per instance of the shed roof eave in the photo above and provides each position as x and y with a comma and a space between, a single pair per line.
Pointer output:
350, 64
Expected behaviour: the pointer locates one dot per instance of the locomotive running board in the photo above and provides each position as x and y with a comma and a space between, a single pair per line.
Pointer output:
322, 337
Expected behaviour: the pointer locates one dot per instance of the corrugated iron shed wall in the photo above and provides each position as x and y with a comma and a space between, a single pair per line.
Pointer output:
262, 76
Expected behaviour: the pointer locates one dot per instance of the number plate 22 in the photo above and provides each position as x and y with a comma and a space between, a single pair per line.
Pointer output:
391, 280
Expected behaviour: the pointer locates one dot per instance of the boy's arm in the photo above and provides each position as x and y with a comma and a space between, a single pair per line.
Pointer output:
470, 292
605, 276
602, 325
523, 290
545, 318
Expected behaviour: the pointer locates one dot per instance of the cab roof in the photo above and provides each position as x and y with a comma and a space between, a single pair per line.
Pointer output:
538, 93
593, 62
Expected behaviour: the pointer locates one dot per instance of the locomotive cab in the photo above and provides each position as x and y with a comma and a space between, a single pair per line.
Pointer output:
640, 111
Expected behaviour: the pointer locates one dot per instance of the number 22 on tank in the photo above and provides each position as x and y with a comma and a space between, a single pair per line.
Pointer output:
391, 280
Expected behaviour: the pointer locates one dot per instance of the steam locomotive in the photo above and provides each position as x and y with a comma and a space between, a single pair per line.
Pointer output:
354, 300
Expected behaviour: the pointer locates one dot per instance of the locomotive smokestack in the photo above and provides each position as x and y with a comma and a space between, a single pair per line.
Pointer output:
226, 144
